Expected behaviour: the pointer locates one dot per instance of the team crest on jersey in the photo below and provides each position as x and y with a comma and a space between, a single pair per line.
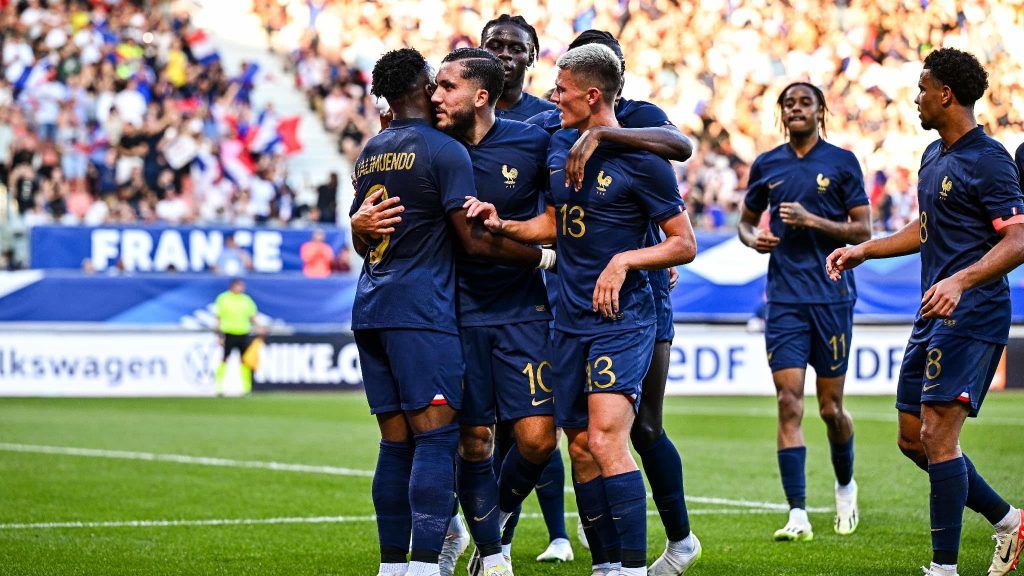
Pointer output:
510, 175
947, 187
823, 182
603, 182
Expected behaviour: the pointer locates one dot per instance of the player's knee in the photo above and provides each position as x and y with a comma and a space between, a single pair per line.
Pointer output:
537, 447
579, 449
912, 448
831, 412
791, 406
644, 434
476, 443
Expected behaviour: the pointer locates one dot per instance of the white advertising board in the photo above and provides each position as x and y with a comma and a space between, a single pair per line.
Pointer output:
81, 363
727, 360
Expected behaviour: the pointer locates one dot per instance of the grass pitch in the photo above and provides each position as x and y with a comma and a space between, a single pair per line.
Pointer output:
277, 484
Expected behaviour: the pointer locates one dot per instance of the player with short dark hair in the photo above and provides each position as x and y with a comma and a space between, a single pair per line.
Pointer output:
514, 42
815, 193
644, 126
604, 322
503, 310
969, 236
409, 348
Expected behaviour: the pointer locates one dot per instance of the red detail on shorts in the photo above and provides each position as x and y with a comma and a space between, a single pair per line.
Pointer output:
439, 400
964, 397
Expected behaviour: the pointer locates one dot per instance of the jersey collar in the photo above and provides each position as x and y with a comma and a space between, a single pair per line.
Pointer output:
964, 140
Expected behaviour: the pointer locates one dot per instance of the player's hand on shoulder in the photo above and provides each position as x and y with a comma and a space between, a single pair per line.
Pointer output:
942, 298
579, 154
765, 242
485, 212
374, 219
845, 258
794, 214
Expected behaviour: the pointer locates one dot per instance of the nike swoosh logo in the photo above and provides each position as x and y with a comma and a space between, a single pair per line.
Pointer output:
614, 518
548, 483
927, 388
475, 519
595, 518
835, 367
536, 403
1009, 552
516, 492
553, 172
773, 185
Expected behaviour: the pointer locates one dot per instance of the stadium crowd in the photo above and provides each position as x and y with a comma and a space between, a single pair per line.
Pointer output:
120, 112
715, 66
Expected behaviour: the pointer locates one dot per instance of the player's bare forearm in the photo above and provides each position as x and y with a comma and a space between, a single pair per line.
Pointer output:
537, 230
678, 247
854, 231
478, 241
665, 141
1006, 255
906, 241
761, 240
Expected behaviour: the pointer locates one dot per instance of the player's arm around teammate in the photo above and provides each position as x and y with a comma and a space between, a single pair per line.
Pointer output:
815, 192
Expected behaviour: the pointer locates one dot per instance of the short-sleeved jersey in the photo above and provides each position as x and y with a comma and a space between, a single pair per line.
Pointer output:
828, 182
528, 106
623, 191
408, 278
510, 170
961, 191
235, 312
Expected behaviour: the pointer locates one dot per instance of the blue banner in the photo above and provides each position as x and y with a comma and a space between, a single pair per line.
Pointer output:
725, 283
164, 248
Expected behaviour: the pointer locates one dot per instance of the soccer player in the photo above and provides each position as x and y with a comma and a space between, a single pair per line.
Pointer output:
644, 126
969, 237
503, 310
514, 42
1018, 157
404, 317
815, 192
605, 318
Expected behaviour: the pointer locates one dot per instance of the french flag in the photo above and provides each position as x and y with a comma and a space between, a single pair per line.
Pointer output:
237, 162
273, 134
202, 47
33, 76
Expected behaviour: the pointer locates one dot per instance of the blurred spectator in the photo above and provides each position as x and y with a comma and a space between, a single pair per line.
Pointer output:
233, 260
317, 256
715, 66
327, 200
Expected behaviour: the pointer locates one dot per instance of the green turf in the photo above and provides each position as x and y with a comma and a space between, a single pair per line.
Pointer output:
728, 448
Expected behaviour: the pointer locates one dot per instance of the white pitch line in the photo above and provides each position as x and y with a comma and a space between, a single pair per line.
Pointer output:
182, 459
286, 520
302, 468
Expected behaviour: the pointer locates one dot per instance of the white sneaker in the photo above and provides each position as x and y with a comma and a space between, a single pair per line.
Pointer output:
1008, 548
502, 568
601, 570
559, 550
581, 535
936, 570
673, 562
456, 540
847, 514
798, 529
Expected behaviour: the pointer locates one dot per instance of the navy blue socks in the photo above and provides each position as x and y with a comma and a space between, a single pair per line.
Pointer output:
430, 490
391, 502
551, 496
518, 478
597, 516
948, 497
627, 499
982, 498
478, 495
791, 467
664, 470
842, 461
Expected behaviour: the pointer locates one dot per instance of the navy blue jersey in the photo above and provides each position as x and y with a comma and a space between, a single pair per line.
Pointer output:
828, 182
1018, 157
623, 191
529, 105
549, 120
408, 278
510, 169
961, 192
